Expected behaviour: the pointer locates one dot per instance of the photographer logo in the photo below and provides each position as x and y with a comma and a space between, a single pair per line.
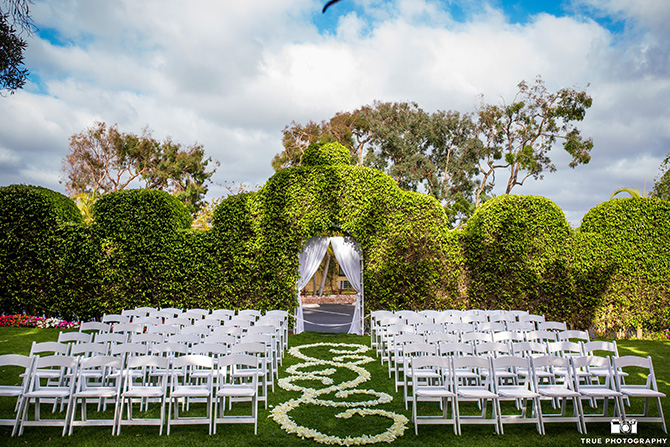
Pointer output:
621, 427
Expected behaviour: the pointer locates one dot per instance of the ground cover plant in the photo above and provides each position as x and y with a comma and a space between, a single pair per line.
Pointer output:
18, 340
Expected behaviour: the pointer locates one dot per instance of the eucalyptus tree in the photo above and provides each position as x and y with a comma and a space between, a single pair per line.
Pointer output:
104, 159
519, 136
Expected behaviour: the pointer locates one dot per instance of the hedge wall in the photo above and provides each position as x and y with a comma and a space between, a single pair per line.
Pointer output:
515, 252
637, 231
34, 233
522, 254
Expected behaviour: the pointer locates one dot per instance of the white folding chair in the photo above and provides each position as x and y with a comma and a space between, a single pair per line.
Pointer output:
476, 337
541, 336
236, 378
574, 335
479, 388
271, 354
138, 388
41, 389
196, 314
199, 329
555, 326
191, 378
74, 337
174, 312
185, 339
128, 328
412, 351
110, 339
395, 359
594, 390
553, 386
148, 339
259, 350
649, 390
436, 385
115, 318
221, 314
256, 314
24, 366
602, 349
53, 374
509, 385
535, 319
99, 380
94, 326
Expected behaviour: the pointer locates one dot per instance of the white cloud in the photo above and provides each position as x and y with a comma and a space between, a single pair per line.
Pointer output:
232, 75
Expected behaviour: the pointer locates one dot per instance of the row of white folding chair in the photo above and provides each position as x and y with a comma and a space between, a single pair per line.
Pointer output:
147, 315
190, 334
442, 317
406, 346
115, 344
542, 382
477, 337
81, 383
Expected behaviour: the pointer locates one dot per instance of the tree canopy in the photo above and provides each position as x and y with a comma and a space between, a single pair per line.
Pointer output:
423, 152
102, 159
519, 136
661, 188
450, 155
14, 21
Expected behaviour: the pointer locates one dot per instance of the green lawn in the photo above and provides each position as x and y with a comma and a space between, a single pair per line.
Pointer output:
18, 340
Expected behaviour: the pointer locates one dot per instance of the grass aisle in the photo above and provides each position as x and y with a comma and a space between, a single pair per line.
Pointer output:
318, 417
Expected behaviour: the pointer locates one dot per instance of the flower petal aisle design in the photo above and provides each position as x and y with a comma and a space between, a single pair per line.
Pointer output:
351, 357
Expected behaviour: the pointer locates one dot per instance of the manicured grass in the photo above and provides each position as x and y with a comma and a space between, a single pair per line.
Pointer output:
18, 340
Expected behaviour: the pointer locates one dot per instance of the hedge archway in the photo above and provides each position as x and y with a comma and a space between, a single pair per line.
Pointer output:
403, 235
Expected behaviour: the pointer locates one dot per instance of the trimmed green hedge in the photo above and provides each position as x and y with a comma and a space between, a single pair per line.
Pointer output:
637, 231
30, 245
522, 254
516, 252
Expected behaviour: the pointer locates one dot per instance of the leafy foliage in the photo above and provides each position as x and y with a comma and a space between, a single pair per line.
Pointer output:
516, 252
638, 233
325, 154
522, 254
12, 74
661, 188
519, 136
29, 223
103, 159
421, 151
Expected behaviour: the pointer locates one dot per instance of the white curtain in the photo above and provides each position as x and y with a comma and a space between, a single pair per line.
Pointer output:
310, 259
348, 256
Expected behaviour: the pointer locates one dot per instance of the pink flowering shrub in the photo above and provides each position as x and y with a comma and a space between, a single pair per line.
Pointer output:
38, 322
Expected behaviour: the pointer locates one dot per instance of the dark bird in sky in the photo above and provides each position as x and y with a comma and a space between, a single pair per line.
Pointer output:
331, 2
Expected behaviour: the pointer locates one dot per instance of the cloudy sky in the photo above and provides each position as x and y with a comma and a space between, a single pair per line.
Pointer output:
231, 74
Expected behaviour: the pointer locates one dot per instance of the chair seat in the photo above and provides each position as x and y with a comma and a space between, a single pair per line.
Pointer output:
519, 392
476, 393
427, 391
640, 391
424, 374
97, 392
8, 390
190, 391
557, 391
598, 391
236, 390
144, 392
51, 392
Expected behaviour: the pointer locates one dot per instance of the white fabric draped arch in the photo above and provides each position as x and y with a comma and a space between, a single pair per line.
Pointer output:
348, 256
310, 259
